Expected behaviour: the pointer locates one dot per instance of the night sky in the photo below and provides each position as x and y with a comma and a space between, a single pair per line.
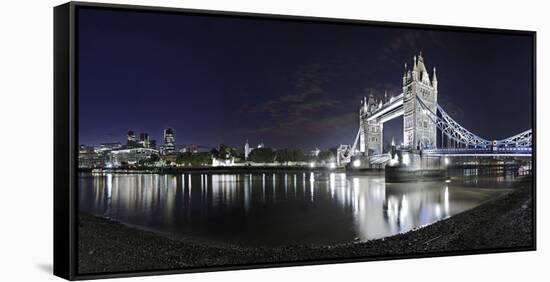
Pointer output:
287, 83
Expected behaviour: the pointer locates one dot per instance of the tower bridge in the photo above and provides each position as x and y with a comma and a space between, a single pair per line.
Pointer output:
423, 119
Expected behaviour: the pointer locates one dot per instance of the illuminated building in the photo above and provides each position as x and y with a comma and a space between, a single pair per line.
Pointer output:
189, 148
169, 146
131, 139
418, 130
130, 156
88, 158
106, 147
144, 140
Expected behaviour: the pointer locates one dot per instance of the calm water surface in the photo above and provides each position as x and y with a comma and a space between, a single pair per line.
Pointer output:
276, 209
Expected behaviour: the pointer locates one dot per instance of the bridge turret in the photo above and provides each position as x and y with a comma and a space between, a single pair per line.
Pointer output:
420, 65
370, 134
414, 70
418, 130
423, 75
434, 80
405, 70
372, 104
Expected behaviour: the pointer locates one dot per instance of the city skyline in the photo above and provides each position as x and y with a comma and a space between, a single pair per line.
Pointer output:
138, 139
284, 83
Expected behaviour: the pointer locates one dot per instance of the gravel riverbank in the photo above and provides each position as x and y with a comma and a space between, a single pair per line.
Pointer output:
504, 222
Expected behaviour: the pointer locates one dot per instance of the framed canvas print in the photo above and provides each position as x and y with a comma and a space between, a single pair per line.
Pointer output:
191, 140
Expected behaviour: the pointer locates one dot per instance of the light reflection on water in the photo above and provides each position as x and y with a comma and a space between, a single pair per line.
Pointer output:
282, 208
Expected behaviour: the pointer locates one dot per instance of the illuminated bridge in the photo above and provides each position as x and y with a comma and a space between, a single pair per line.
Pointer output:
423, 121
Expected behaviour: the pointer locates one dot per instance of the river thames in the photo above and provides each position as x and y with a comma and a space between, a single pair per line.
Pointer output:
281, 209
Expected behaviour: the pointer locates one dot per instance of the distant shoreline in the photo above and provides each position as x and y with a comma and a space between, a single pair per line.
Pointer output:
258, 169
501, 223
217, 169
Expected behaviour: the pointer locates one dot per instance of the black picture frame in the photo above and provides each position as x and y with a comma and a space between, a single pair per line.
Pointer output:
66, 143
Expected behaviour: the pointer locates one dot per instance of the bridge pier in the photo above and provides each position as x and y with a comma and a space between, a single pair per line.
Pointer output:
362, 164
412, 165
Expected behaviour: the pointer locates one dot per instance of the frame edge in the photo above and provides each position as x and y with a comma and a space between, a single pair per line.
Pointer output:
63, 259
65, 254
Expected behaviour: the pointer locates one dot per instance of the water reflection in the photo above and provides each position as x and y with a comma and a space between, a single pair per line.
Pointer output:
280, 208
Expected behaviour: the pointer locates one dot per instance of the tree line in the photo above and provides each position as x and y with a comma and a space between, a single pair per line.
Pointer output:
258, 155
285, 156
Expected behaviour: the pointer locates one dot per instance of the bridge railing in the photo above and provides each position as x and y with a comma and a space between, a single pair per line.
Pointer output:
453, 130
493, 150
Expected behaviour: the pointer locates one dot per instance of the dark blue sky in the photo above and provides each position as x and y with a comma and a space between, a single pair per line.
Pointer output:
287, 83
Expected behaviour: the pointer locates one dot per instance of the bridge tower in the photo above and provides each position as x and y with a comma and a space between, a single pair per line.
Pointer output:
418, 130
370, 138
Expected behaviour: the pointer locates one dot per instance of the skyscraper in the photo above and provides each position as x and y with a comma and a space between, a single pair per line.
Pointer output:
144, 140
169, 146
169, 136
131, 139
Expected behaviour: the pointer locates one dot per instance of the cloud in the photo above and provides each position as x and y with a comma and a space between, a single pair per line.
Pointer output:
314, 106
409, 41
311, 109
309, 94
307, 127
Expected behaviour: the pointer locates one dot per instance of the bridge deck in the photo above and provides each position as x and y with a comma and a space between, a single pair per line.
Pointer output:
506, 151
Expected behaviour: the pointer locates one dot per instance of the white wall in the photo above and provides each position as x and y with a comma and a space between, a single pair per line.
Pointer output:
26, 105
